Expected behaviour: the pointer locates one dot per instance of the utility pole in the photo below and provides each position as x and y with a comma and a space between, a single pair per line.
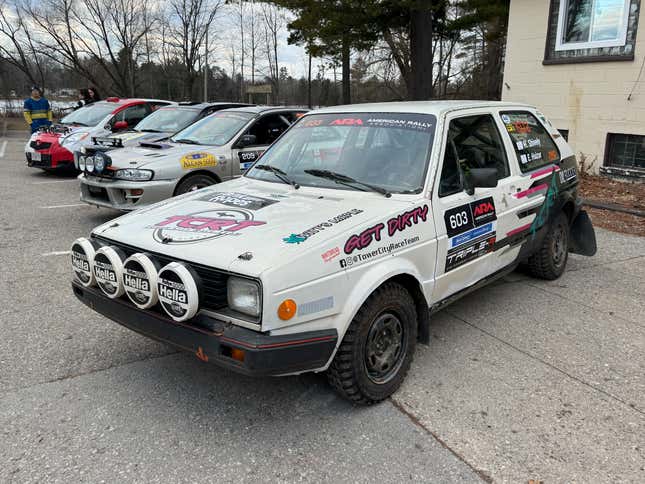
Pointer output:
206, 67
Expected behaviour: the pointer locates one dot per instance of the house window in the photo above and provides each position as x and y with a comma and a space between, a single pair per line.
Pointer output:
587, 24
625, 151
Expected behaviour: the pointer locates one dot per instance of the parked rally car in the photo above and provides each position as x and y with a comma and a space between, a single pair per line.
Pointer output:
161, 124
334, 249
53, 148
214, 149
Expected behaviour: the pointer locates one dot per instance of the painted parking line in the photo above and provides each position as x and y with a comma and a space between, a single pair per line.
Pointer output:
65, 206
54, 181
3, 147
59, 252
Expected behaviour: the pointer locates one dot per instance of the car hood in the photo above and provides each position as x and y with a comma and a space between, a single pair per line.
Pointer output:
153, 152
133, 138
273, 223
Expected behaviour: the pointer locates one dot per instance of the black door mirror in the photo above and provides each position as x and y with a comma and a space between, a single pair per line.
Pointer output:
480, 177
247, 140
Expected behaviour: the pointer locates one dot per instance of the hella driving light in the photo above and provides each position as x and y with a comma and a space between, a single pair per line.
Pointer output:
243, 296
99, 163
177, 288
83, 252
140, 280
89, 164
108, 271
81, 162
133, 174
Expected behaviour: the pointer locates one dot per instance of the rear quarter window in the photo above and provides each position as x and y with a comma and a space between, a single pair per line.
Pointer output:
532, 143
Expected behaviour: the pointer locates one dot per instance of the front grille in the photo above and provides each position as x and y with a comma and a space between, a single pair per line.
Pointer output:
213, 280
37, 145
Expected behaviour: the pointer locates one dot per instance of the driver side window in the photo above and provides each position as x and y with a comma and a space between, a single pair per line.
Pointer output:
268, 128
472, 142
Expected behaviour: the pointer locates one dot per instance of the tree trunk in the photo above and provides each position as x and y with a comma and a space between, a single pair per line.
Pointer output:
309, 84
420, 51
345, 54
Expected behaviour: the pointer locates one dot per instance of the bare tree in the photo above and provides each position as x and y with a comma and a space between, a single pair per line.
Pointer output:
17, 45
274, 22
188, 22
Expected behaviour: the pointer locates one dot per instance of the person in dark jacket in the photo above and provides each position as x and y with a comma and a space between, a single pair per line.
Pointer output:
83, 98
37, 110
93, 94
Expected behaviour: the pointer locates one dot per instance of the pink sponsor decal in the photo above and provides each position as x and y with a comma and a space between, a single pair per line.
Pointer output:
528, 192
518, 230
543, 172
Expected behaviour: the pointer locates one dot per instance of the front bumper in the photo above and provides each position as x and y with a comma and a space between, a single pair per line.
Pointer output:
117, 194
212, 340
55, 157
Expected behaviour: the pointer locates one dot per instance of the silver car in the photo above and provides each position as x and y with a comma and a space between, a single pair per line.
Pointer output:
217, 148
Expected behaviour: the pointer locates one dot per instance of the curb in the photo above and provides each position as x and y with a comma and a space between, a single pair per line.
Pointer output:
613, 207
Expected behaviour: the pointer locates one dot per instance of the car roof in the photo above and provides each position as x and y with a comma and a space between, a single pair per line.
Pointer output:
423, 107
265, 109
200, 106
119, 103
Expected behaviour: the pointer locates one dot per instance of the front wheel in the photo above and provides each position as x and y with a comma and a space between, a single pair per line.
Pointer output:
194, 182
551, 258
376, 352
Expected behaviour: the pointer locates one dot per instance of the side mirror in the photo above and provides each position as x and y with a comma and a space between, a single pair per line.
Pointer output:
480, 178
247, 140
120, 126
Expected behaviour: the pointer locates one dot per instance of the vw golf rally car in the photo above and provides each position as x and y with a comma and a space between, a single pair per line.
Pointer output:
53, 148
214, 149
334, 249
159, 125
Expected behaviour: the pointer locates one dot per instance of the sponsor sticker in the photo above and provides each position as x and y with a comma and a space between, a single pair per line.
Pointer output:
506, 119
200, 226
471, 235
463, 254
198, 160
398, 223
359, 257
567, 175
303, 236
330, 254
238, 200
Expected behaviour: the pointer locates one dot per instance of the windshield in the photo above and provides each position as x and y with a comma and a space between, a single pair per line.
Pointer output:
216, 129
167, 120
89, 115
387, 150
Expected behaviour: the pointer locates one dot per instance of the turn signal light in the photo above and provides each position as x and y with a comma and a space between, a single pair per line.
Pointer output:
237, 354
287, 309
136, 192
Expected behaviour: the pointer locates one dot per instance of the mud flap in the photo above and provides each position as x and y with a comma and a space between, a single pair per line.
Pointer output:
582, 239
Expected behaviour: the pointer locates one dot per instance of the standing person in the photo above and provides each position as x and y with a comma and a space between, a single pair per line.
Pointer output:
36, 110
93, 94
83, 98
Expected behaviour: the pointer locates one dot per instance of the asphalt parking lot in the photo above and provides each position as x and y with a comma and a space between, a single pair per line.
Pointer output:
522, 380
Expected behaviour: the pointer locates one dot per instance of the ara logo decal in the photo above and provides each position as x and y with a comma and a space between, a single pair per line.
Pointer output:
199, 226
466, 217
347, 122
483, 211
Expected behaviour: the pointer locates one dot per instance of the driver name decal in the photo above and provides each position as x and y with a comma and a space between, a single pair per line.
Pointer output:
196, 227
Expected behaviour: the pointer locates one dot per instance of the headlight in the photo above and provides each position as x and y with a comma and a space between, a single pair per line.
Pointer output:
243, 296
89, 164
73, 138
133, 174
81, 162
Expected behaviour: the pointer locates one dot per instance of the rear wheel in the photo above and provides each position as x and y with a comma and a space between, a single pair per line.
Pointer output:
194, 182
376, 352
551, 258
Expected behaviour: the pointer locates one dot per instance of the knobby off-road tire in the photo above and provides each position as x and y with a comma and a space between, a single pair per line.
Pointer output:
194, 182
367, 367
551, 258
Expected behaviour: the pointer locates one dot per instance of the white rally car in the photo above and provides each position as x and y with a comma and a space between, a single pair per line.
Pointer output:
216, 148
332, 252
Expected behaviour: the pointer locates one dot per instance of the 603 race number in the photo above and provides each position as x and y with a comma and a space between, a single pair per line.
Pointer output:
458, 219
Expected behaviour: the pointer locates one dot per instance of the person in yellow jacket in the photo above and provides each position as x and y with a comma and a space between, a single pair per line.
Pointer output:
37, 110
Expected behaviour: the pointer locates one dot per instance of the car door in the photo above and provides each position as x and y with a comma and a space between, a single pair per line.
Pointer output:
266, 130
470, 226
